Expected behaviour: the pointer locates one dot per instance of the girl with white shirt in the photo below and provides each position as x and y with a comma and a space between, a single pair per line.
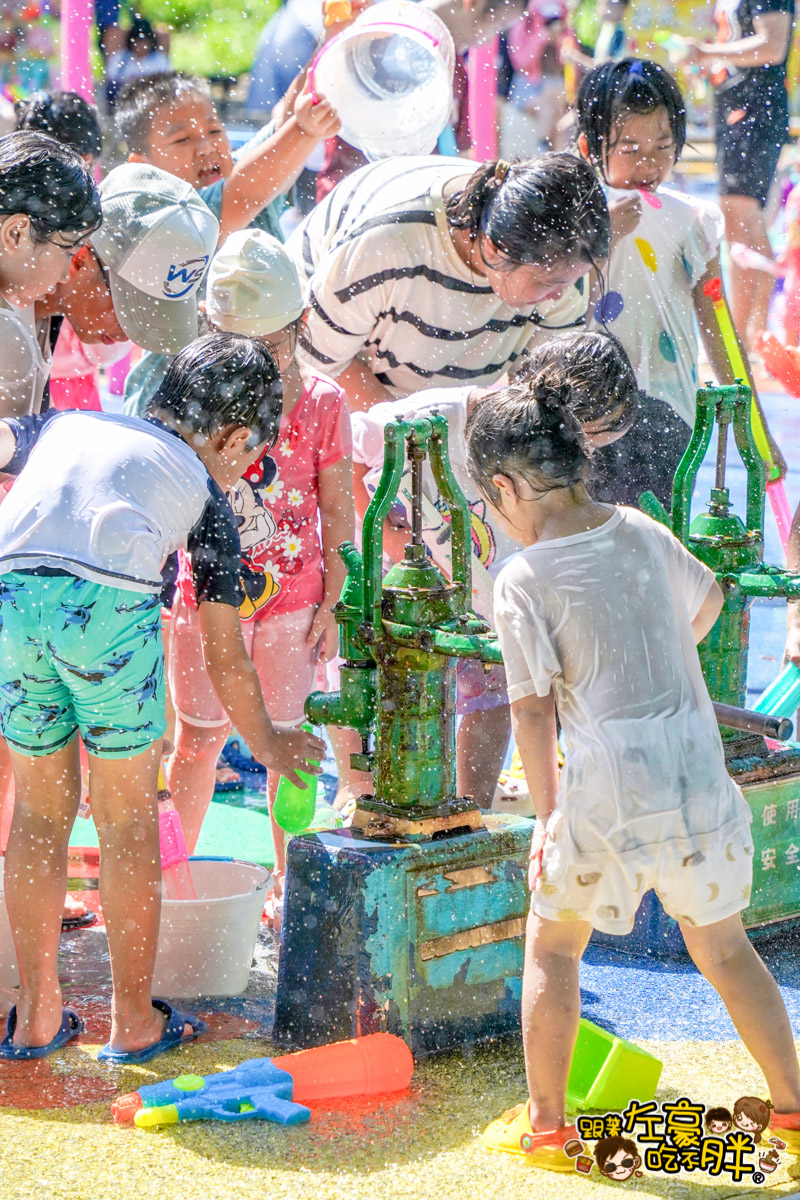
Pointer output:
598, 617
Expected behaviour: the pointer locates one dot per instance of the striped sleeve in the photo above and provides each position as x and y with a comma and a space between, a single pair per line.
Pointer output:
349, 292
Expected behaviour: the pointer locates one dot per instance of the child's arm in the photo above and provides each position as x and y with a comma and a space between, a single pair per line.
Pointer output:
260, 174
236, 683
718, 355
708, 612
18, 436
533, 721
395, 537
337, 523
362, 388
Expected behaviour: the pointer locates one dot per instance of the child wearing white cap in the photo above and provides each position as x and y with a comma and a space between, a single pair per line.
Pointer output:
293, 508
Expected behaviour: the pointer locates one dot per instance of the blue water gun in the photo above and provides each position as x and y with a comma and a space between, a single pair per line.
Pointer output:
260, 1088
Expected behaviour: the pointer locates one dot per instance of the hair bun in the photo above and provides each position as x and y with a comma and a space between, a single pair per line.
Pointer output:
553, 398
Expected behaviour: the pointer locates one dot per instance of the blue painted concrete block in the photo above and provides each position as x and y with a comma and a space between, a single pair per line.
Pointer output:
423, 940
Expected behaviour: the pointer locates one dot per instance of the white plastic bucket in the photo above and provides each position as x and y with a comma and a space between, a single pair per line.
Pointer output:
9, 971
390, 79
205, 946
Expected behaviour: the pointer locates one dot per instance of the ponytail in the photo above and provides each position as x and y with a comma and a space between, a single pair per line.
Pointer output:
547, 208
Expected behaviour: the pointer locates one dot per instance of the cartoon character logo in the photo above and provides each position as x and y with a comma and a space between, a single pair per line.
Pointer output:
256, 526
483, 544
617, 1158
751, 1115
718, 1121
183, 277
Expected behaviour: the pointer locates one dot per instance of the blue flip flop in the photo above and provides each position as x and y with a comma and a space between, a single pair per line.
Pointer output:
71, 1026
173, 1036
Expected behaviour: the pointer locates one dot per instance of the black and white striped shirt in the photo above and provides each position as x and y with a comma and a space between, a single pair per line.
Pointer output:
385, 282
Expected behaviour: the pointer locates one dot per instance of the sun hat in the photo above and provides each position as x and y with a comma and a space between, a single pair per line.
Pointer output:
156, 242
253, 287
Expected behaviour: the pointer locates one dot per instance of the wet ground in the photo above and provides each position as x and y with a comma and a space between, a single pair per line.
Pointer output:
56, 1135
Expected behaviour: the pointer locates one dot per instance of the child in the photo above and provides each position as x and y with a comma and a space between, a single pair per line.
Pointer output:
293, 509
431, 270
665, 248
68, 118
49, 205
100, 502
605, 400
599, 616
170, 121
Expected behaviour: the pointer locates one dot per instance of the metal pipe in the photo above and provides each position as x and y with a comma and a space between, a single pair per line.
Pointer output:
744, 719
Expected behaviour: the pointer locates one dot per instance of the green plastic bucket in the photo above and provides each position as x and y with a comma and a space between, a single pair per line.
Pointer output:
607, 1072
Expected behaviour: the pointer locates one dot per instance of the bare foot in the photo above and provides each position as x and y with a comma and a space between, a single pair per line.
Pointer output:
73, 907
124, 1039
37, 1026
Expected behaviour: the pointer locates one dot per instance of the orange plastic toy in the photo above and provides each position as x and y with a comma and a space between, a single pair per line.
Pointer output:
782, 362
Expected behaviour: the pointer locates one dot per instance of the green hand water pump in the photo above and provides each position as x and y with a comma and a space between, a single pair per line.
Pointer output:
400, 637
733, 549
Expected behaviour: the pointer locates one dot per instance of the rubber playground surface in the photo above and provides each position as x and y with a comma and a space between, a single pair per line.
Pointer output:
57, 1139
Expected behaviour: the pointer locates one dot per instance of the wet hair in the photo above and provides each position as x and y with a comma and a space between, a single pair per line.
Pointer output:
718, 1114
49, 183
528, 431
607, 1147
140, 100
597, 368
616, 89
141, 31
220, 380
548, 208
757, 1110
65, 116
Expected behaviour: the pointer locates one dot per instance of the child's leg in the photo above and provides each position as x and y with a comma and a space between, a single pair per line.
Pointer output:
724, 955
480, 750
278, 835
286, 669
551, 1006
192, 773
47, 796
6, 793
484, 729
123, 795
201, 725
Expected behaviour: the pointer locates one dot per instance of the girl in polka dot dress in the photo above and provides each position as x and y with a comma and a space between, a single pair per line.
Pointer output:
664, 250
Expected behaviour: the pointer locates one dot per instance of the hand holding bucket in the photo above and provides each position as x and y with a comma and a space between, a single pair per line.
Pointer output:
389, 76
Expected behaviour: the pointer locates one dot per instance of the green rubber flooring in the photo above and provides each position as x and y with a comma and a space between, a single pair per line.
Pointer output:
236, 826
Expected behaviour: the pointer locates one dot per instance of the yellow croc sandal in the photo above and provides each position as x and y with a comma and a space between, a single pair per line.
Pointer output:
512, 1134
786, 1127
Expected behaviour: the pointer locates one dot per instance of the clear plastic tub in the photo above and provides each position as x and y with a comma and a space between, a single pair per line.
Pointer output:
390, 78
205, 946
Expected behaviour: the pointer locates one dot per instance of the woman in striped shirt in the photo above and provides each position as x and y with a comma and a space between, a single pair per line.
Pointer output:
429, 272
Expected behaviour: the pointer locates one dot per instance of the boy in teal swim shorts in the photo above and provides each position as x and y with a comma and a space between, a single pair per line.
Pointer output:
100, 503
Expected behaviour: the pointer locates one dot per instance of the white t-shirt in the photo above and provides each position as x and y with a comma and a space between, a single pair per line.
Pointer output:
24, 369
385, 282
603, 618
648, 304
490, 545
109, 498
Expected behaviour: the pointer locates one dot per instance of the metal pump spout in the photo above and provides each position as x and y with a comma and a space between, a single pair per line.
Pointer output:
400, 637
